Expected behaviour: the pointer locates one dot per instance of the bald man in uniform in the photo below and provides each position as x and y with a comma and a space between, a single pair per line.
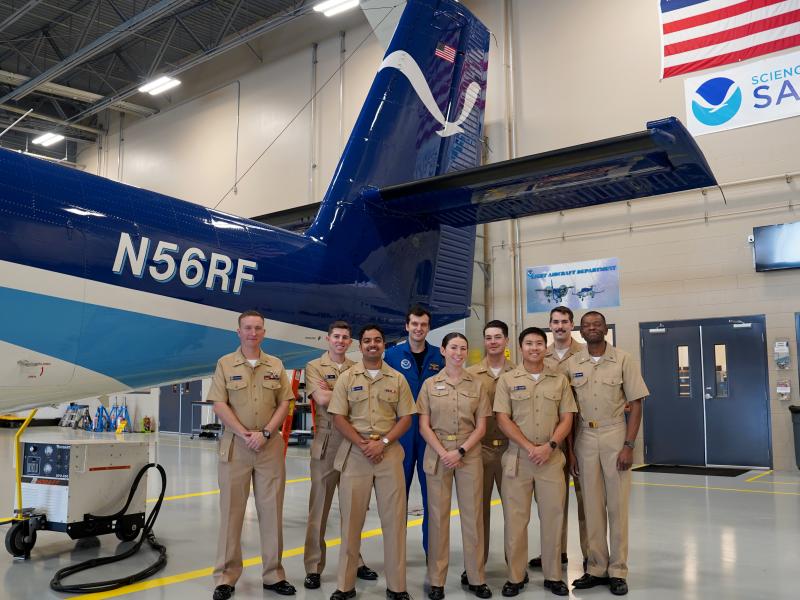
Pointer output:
251, 394
320, 378
534, 407
372, 406
605, 380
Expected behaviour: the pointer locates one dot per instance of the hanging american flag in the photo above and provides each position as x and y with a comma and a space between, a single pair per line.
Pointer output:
701, 34
446, 52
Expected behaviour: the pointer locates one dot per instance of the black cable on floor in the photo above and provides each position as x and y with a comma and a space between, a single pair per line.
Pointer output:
147, 534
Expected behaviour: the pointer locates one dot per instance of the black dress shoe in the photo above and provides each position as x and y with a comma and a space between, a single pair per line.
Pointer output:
397, 595
340, 595
481, 591
559, 588
365, 573
512, 589
587, 581
618, 586
464, 580
436, 593
311, 582
223, 592
536, 563
283, 587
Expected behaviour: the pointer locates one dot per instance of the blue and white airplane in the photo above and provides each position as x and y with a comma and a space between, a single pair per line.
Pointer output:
105, 287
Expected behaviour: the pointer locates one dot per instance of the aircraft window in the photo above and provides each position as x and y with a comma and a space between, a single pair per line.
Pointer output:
684, 373
720, 371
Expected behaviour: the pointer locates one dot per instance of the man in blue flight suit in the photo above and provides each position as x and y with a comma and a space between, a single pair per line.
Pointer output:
417, 360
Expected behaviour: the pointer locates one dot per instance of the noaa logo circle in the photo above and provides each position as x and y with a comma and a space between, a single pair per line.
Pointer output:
716, 101
405, 363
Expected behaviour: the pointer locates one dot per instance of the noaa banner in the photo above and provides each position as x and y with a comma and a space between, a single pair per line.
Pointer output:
761, 91
580, 286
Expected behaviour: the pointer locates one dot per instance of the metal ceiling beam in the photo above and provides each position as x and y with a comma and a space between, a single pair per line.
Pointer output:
101, 44
49, 119
78, 95
162, 49
21, 12
236, 40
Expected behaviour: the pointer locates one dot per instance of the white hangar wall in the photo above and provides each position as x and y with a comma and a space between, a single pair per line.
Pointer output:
563, 73
588, 70
197, 150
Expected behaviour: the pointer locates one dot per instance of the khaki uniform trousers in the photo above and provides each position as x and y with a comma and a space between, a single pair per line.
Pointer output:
469, 491
492, 476
358, 478
324, 479
584, 539
605, 495
267, 470
520, 475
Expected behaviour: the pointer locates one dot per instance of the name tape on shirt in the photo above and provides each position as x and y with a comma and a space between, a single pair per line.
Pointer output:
330, 376
578, 374
271, 376
441, 387
357, 388
235, 377
518, 388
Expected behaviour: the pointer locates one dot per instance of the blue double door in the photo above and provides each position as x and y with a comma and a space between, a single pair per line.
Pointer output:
709, 398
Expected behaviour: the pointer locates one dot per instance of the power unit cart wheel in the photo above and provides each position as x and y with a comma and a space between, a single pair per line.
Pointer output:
16, 543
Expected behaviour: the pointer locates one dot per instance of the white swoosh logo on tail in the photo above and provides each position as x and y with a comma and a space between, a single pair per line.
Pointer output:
403, 62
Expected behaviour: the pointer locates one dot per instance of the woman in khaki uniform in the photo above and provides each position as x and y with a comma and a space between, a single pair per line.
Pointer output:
452, 408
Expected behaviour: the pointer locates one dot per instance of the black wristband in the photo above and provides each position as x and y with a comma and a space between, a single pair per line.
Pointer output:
461, 451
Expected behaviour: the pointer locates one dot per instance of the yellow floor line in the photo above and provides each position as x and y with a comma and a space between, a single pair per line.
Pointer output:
207, 572
780, 482
250, 562
213, 492
759, 476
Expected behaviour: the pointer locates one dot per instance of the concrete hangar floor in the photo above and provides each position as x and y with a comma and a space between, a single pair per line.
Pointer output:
690, 537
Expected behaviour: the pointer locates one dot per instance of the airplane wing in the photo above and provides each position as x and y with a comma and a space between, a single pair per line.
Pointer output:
660, 160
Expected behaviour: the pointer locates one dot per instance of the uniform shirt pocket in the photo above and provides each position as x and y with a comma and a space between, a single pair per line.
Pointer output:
550, 404
269, 392
439, 405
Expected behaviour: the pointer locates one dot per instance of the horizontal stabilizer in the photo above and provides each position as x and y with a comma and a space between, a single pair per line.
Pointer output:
661, 160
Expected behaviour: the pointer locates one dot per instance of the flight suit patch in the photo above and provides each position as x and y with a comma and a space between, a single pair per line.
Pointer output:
433, 367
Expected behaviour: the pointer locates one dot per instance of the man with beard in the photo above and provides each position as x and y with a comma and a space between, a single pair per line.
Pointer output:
372, 407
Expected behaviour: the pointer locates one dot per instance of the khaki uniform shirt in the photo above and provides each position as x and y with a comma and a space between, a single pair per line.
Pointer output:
603, 388
454, 410
253, 393
535, 406
560, 364
372, 405
318, 372
484, 374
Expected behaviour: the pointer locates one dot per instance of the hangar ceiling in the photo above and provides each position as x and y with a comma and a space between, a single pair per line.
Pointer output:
71, 60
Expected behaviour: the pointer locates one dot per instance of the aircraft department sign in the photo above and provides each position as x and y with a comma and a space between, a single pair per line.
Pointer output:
580, 286
758, 92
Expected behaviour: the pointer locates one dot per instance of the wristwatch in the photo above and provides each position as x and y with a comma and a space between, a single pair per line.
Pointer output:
630, 445
461, 451
553, 444
385, 441
267, 433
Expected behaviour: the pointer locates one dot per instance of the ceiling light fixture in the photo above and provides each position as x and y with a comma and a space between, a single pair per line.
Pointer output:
48, 139
161, 84
334, 7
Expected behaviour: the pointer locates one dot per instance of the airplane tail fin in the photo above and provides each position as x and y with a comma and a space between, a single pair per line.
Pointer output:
423, 117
